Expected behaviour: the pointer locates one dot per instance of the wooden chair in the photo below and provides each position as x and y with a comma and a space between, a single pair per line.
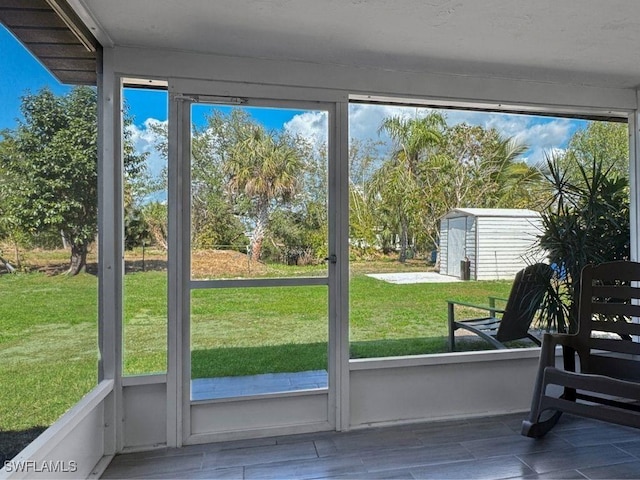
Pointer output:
606, 385
515, 319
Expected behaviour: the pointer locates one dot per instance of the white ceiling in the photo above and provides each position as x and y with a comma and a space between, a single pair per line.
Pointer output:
587, 42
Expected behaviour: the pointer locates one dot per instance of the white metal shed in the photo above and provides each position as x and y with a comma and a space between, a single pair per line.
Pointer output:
497, 241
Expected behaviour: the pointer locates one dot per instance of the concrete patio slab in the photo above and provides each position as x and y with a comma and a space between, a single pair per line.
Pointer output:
414, 277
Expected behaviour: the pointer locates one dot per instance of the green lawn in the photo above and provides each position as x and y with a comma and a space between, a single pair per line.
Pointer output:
48, 350
48, 340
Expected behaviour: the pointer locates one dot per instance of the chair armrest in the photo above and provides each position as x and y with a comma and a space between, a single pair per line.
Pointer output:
502, 299
487, 308
492, 304
570, 345
569, 340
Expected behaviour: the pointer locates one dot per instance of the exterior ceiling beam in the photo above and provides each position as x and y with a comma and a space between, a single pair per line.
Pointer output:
56, 36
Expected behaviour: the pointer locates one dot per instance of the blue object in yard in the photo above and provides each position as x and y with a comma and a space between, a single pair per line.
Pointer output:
560, 271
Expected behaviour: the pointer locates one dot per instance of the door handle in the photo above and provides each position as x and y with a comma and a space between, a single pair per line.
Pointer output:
331, 259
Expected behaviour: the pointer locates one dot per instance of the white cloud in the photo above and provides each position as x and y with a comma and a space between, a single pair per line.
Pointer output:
365, 119
144, 140
364, 122
312, 125
542, 135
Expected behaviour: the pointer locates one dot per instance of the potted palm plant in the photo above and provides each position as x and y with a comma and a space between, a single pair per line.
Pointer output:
586, 221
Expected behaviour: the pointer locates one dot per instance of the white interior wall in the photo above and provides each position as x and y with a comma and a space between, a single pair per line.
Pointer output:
145, 415
372, 82
435, 387
252, 417
634, 181
110, 246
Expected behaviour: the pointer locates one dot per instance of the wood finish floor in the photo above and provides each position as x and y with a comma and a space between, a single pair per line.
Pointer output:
486, 448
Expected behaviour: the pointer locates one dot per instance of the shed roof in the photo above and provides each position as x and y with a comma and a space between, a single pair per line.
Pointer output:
492, 212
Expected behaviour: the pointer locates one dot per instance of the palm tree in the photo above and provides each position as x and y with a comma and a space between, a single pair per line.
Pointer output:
397, 183
265, 169
510, 182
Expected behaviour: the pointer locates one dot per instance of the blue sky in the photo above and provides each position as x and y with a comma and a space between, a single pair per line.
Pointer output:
21, 73
144, 104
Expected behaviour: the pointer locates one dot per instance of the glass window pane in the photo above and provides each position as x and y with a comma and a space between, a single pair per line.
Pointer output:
414, 175
258, 193
48, 263
248, 341
145, 212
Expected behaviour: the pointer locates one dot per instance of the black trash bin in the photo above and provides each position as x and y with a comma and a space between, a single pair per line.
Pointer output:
465, 269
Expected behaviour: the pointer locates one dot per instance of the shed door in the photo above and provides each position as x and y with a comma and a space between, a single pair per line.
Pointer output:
456, 248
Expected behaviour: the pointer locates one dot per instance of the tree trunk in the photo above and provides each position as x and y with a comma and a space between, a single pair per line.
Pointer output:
404, 239
16, 250
256, 247
78, 258
159, 236
259, 232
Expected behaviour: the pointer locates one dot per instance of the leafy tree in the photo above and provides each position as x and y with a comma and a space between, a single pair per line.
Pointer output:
397, 185
155, 218
136, 227
52, 163
10, 228
214, 222
510, 182
298, 228
242, 173
301, 226
475, 167
435, 167
607, 140
299, 236
363, 158
480, 168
